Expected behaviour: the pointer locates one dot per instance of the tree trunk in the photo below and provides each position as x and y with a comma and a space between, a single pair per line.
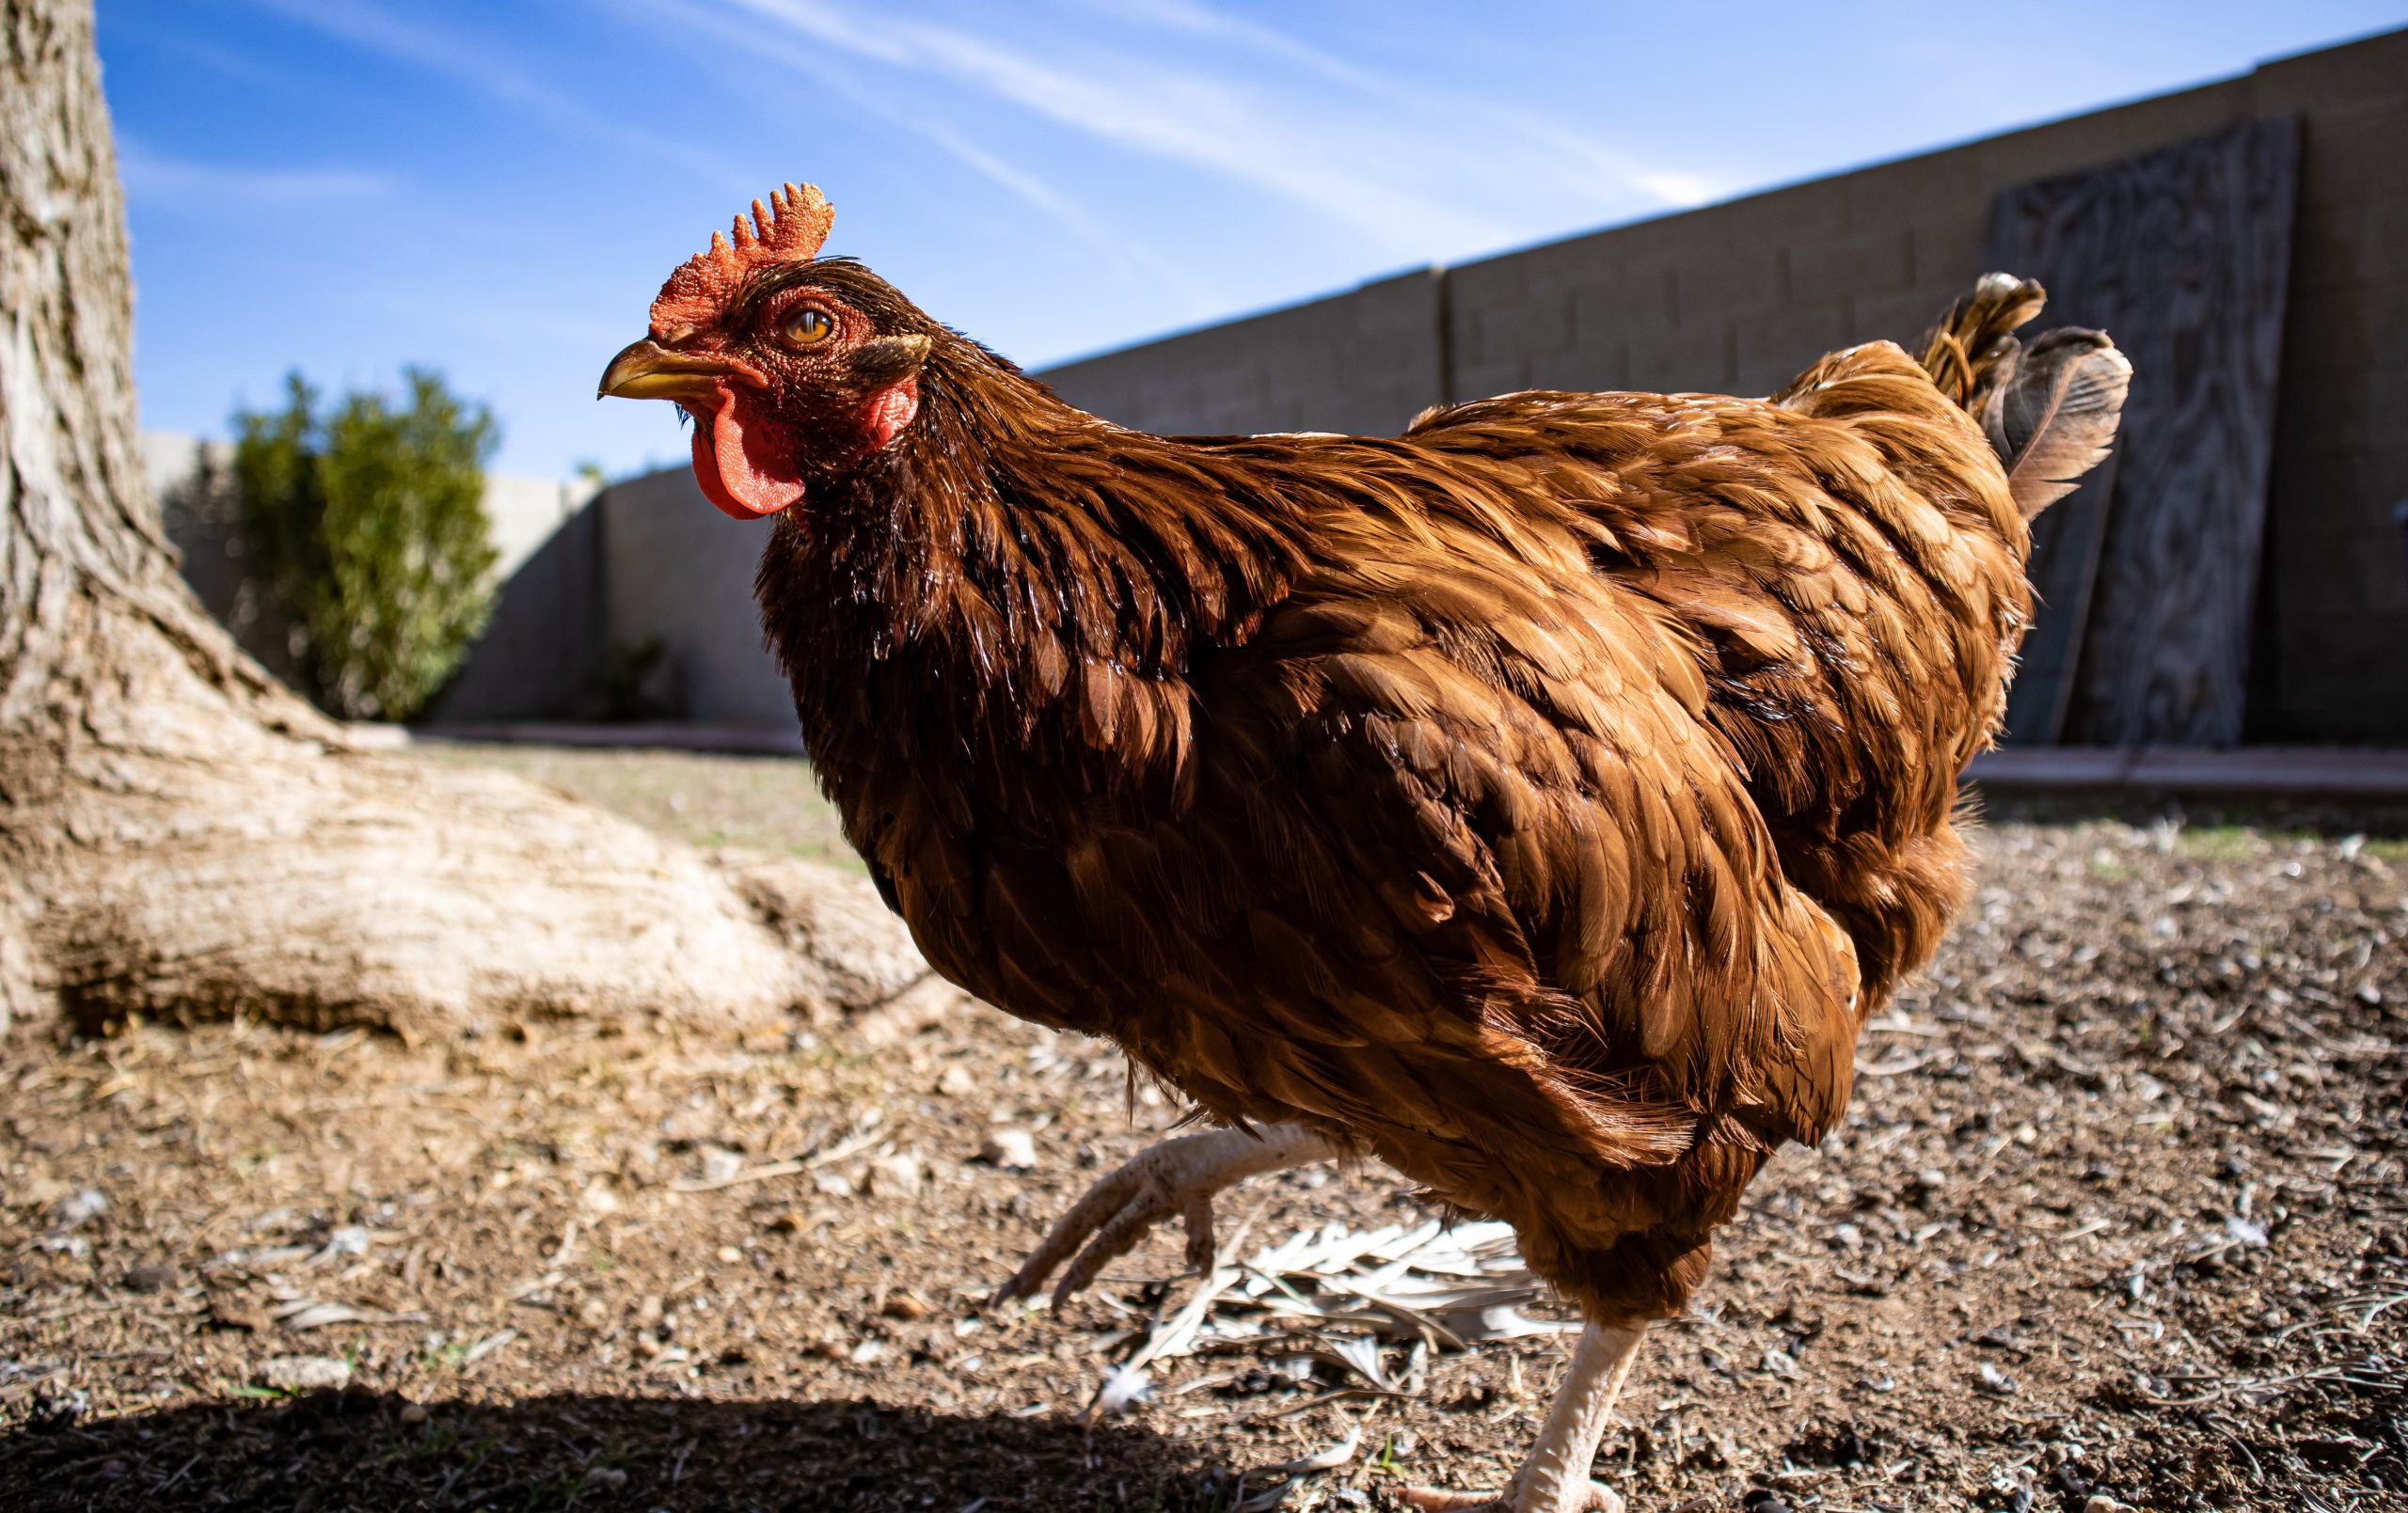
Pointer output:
181, 836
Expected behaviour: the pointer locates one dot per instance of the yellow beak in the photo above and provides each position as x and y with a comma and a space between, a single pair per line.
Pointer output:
648, 371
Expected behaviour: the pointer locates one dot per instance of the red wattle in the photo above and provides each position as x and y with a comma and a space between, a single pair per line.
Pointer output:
742, 468
889, 411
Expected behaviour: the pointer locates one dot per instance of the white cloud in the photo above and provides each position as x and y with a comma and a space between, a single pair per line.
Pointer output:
1117, 248
473, 62
152, 175
1429, 175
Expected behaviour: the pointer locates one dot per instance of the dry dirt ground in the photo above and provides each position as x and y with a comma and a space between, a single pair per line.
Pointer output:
2118, 1217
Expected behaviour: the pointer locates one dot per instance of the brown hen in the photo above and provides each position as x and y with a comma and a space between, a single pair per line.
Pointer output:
1539, 801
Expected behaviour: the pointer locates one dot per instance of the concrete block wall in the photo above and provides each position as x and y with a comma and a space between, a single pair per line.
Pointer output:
543, 649
1364, 362
648, 560
1736, 298
677, 570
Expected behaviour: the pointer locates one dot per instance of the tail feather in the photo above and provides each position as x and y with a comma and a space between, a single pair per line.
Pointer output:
2053, 419
2049, 408
1963, 350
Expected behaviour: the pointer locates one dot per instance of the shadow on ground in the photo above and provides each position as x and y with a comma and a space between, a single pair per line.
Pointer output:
364, 1450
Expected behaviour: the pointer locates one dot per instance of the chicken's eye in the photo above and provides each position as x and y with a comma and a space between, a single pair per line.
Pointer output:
807, 327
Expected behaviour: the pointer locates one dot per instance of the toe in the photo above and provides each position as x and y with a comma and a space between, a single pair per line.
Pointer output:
1439, 1500
1596, 1498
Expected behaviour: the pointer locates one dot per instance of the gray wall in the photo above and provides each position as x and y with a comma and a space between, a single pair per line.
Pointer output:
541, 654
648, 561
1361, 363
1736, 298
674, 568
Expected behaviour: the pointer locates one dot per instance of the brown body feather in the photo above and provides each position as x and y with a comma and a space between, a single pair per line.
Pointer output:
1540, 799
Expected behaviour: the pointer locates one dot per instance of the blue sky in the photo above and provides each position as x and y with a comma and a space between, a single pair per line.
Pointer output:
495, 189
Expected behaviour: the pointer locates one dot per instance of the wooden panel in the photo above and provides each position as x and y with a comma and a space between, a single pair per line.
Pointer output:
2183, 256
2066, 543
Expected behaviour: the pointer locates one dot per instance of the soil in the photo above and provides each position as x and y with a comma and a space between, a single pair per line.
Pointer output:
2120, 1215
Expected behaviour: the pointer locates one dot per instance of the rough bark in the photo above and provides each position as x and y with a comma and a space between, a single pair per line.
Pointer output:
181, 836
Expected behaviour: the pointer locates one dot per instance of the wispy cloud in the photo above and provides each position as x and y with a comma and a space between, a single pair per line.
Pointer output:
1425, 175
1483, 122
476, 64
156, 177
1116, 247
1139, 102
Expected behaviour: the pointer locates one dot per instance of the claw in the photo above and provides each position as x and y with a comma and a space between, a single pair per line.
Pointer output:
1173, 1177
1596, 1499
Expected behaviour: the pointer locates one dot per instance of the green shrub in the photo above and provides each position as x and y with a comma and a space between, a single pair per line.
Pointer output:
367, 528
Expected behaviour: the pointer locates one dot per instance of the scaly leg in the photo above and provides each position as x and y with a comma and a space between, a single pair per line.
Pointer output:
1174, 1176
1555, 1477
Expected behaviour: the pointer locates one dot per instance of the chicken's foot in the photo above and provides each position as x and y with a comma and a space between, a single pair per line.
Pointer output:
1173, 1176
1555, 1477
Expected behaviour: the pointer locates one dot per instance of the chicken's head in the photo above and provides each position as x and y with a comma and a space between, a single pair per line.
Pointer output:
792, 367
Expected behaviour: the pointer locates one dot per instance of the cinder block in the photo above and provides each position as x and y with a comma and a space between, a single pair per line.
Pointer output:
2337, 251
1950, 248
2102, 136
2352, 164
2340, 678
1848, 264
1642, 299
1490, 278
1600, 368
1684, 360
1717, 283
1901, 317
1585, 262
1532, 326
1893, 193
2317, 82
2326, 326
1774, 348
2358, 569
1780, 217
1503, 376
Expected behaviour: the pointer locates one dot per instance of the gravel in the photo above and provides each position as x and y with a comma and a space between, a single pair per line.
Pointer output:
2118, 1218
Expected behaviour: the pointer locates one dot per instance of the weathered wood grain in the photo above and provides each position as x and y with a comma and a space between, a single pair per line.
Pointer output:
2066, 543
2183, 256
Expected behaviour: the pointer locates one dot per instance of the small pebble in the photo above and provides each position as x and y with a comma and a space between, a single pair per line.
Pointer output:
306, 1373
1011, 1149
78, 1208
895, 1176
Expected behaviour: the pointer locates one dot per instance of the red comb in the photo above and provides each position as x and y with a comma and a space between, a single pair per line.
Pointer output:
788, 229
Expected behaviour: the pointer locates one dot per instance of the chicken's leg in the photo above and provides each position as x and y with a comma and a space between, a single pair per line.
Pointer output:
1555, 1477
1173, 1176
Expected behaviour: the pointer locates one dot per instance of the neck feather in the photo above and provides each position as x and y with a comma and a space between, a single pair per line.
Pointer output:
1015, 575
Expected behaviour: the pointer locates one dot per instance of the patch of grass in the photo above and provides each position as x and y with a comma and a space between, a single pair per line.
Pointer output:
2220, 842
444, 1357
